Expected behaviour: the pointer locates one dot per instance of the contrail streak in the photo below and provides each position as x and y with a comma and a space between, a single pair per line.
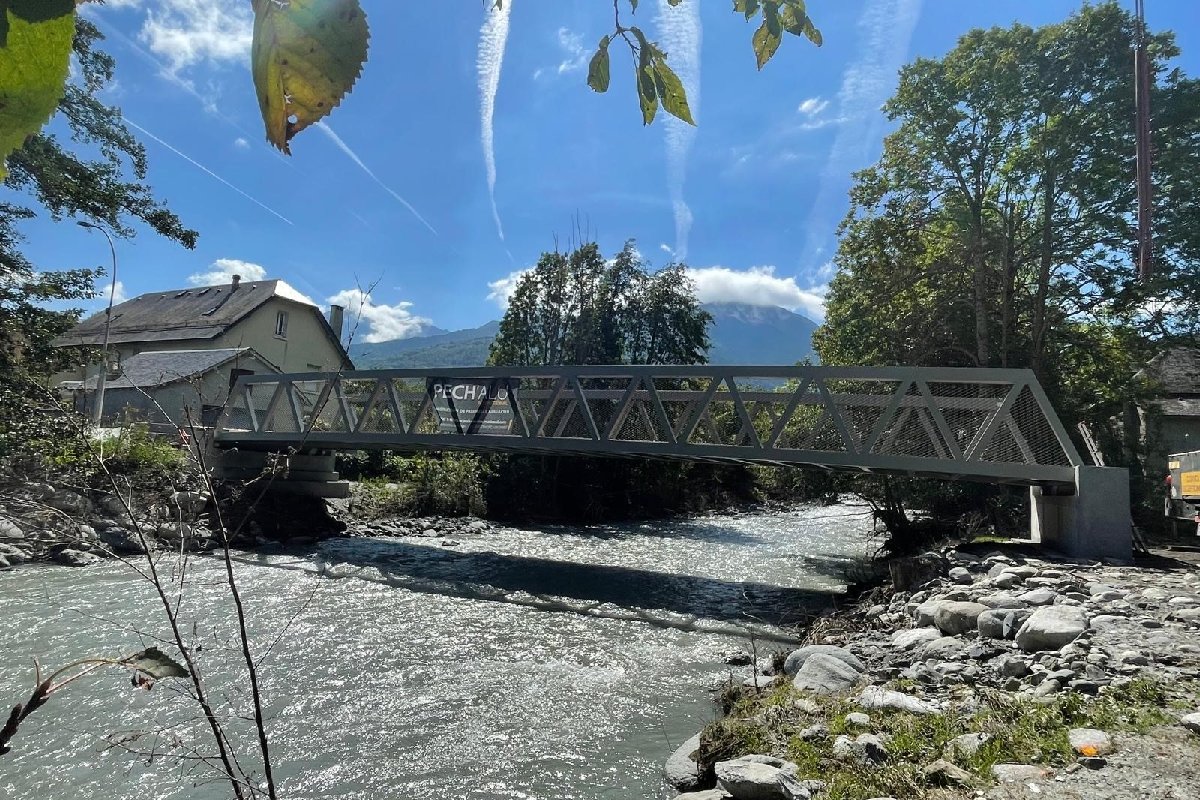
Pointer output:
200, 166
681, 34
492, 38
345, 148
885, 30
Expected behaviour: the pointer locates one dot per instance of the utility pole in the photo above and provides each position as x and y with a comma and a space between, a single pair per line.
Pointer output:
102, 378
1141, 93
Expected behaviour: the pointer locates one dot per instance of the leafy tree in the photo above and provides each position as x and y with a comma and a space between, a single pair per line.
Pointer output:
996, 228
577, 308
66, 184
307, 55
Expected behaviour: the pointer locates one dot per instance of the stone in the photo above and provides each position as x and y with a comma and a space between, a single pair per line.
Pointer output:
824, 673
1001, 600
1038, 597
1089, 742
10, 530
1019, 773
189, 503
792, 787
707, 794
796, 658
947, 647
69, 502
1093, 762
858, 719
76, 558
996, 623
1011, 666
966, 745
867, 748
957, 617
1051, 627
924, 612
1006, 580
4, 563
752, 777
1047, 687
737, 658
681, 770
814, 733
875, 697
1191, 722
121, 541
910, 638
13, 554
943, 773
960, 575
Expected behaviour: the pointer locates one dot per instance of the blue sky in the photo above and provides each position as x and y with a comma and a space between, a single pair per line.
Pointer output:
394, 191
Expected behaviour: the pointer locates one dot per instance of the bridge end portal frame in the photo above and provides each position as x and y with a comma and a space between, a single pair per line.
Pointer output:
956, 424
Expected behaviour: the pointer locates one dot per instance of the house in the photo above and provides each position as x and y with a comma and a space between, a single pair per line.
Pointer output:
172, 387
1170, 423
203, 337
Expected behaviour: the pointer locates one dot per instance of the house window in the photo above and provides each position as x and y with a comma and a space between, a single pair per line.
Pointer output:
281, 324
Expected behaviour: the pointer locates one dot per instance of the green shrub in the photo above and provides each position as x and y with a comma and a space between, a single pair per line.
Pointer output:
445, 484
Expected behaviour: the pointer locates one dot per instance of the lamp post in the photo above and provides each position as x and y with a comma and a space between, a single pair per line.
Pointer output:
102, 379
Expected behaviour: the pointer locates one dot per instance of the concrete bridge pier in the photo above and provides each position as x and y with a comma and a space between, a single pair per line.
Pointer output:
1093, 521
312, 474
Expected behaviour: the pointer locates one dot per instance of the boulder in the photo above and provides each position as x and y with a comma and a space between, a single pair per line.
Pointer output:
1089, 742
796, 658
707, 794
1019, 773
752, 777
122, 541
866, 748
960, 575
12, 554
945, 648
910, 638
1006, 580
875, 697
824, 673
1191, 722
189, 503
965, 746
943, 773
957, 617
1051, 627
681, 769
1001, 623
76, 558
858, 719
68, 502
10, 530
1038, 597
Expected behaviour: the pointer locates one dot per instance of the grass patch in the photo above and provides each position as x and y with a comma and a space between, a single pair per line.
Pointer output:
1021, 730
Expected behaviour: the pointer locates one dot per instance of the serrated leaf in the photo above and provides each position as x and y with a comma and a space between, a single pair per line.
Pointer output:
35, 55
306, 56
598, 70
156, 664
766, 42
671, 92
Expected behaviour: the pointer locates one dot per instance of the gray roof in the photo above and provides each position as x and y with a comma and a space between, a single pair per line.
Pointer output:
1186, 407
201, 312
161, 367
1176, 371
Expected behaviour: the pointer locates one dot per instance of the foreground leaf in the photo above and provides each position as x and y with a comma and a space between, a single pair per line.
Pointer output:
671, 92
35, 53
156, 664
599, 69
306, 56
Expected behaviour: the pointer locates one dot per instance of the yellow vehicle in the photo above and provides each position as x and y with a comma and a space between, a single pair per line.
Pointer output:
1183, 490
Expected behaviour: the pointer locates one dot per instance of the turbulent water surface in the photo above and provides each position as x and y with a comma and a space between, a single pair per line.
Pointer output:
549, 663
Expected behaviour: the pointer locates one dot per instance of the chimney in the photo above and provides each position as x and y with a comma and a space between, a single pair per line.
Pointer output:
337, 315
237, 279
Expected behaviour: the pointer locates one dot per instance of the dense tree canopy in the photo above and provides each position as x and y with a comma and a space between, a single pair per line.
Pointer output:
578, 308
66, 183
997, 227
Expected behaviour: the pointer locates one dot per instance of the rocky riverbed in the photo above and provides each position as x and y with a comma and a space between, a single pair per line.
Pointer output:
998, 674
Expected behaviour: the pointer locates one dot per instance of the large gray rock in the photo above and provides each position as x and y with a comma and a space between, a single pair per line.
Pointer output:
824, 674
965, 746
957, 617
681, 770
875, 697
1090, 742
796, 658
752, 777
1019, 773
189, 503
1051, 627
943, 773
866, 748
69, 502
1001, 623
10, 530
1038, 597
121, 541
1191, 722
707, 794
76, 558
910, 638
12, 554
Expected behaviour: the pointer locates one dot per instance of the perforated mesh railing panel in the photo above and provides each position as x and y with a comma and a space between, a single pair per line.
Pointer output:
985, 424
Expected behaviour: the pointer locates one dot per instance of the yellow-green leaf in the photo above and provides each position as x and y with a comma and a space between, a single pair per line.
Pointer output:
671, 92
306, 56
156, 664
766, 40
647, 91
35, 54
598, 70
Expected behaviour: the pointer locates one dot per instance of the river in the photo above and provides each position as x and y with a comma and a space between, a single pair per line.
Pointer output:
515, 663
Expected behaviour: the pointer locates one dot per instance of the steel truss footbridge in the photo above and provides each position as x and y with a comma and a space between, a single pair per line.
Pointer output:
963, 424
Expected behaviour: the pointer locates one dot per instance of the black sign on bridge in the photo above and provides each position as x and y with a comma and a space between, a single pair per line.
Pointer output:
473, 405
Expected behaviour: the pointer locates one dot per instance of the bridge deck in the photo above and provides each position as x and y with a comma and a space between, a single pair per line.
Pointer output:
968, 424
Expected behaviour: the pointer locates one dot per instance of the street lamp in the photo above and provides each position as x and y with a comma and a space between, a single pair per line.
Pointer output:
98, 411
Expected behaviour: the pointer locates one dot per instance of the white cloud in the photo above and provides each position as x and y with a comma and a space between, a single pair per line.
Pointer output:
492, 38
576, 54
758, 286
223, 269
104, 287
287, 291
681, 35
189, 32
501, 291
241, 143
813, 106
384, 322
